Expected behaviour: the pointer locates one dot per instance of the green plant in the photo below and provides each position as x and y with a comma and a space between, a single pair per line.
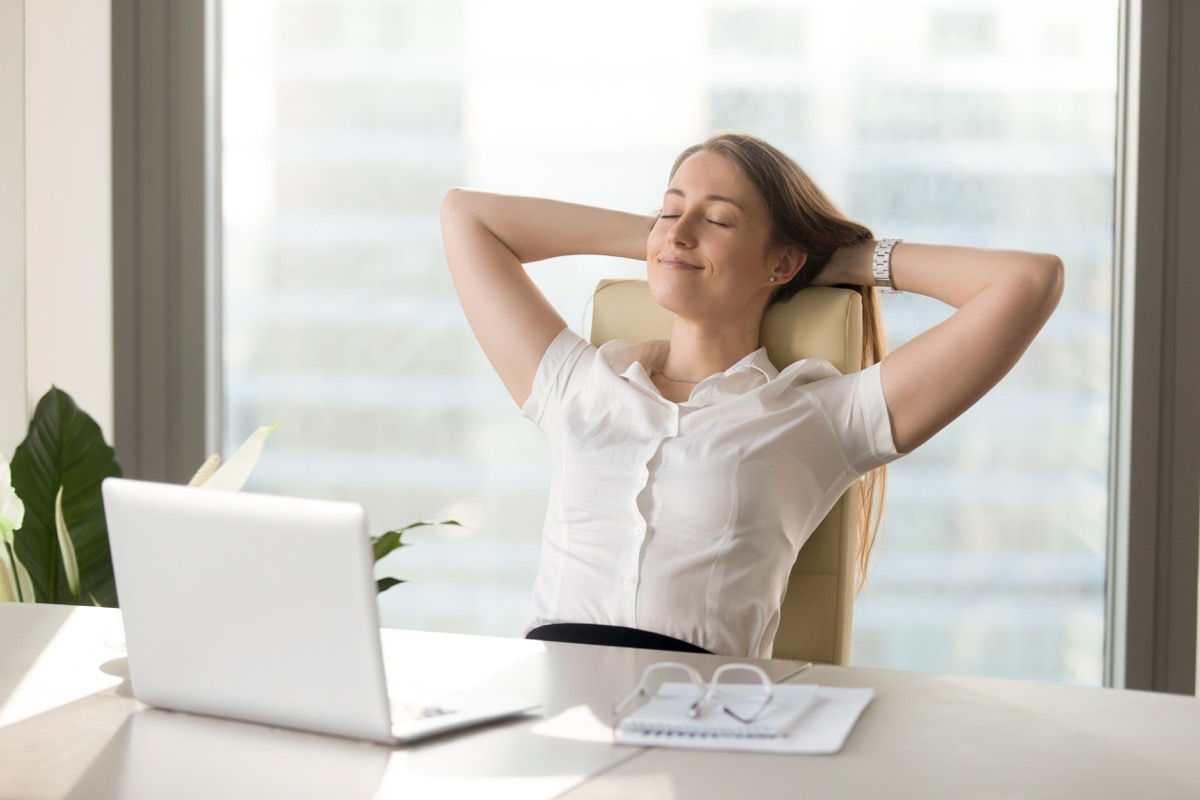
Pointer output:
387, 542
53, 536
58, 552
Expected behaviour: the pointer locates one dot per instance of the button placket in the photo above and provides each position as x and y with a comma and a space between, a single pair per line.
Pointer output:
643, 479
630, 565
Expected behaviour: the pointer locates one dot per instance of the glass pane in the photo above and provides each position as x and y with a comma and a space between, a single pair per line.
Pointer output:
989, 124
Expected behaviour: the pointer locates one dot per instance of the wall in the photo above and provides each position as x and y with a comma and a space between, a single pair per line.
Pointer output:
55, 210
67, 202
12, 225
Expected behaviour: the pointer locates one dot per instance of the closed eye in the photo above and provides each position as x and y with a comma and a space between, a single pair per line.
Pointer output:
718, 223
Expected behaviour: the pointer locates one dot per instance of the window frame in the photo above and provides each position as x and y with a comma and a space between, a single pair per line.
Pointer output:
166, 232
1154, 503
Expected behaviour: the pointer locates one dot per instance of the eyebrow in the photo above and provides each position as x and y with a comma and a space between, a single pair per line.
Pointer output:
718, 197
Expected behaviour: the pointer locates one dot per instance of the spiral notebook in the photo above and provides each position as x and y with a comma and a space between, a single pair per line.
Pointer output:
800, 718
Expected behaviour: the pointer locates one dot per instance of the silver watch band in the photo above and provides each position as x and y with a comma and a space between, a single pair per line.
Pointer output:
881, 264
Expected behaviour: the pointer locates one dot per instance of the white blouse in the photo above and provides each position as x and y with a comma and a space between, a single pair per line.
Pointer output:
685, 518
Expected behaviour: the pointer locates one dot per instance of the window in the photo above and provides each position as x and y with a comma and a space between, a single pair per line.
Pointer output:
345, 122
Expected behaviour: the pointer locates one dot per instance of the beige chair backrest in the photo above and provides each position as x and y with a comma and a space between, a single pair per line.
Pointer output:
818, 322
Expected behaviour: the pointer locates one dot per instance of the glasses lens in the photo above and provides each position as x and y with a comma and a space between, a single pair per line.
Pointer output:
743, 690
657, 675
653, 681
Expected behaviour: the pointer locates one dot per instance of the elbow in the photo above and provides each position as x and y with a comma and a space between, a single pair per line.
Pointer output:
1053, 277
460, 205
452, 205
461, 213
1043, 280
456, 223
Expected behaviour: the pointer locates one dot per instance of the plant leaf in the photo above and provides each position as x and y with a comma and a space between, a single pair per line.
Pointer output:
24, 582
387, 542
232, 475
383, 584
12, 510
70, 565
64, 447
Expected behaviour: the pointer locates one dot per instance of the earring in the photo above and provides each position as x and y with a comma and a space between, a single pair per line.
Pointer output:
772, 279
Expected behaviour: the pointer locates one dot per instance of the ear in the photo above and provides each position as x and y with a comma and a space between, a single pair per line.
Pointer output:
789, 261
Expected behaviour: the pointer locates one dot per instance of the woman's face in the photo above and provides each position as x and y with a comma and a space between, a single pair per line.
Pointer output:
710, 253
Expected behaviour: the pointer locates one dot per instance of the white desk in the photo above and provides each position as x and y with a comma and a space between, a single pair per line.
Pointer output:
68, 728
939, 736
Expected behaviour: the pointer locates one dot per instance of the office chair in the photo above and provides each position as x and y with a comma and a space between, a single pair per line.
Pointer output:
818, 608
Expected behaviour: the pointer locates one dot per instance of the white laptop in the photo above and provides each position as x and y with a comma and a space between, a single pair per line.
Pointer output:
263, 609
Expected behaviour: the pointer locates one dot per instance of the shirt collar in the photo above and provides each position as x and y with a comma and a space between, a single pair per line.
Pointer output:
634, 361
758, 360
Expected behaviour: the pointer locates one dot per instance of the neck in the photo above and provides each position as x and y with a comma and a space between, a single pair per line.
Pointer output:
697, 353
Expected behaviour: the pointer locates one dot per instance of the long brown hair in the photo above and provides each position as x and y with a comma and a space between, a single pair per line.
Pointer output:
803, 216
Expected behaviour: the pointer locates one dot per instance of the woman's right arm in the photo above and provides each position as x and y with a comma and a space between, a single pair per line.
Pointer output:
487, 239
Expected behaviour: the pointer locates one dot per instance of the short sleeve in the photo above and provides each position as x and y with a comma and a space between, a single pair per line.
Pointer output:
561, 367
856, 409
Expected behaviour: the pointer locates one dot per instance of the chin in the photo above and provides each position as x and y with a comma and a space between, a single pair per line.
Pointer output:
675, 296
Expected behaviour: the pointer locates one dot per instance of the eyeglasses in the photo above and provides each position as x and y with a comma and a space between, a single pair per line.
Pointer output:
744, 706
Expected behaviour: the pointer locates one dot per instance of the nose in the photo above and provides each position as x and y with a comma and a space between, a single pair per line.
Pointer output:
682, 231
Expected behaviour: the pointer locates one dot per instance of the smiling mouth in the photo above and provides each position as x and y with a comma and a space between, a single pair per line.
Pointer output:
674, 262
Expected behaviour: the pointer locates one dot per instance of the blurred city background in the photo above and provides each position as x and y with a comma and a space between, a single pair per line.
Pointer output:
980, 122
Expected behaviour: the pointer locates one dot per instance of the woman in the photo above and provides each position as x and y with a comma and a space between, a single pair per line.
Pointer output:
688, 473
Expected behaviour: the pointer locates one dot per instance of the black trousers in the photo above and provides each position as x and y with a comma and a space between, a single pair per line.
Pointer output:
581, 633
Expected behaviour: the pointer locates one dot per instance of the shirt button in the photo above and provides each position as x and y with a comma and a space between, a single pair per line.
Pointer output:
638, 530
627, 580
642, 476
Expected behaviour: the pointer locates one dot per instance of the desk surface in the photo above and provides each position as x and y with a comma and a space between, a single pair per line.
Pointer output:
69, 728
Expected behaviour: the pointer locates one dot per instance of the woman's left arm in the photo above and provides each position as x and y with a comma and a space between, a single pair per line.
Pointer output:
1002, 297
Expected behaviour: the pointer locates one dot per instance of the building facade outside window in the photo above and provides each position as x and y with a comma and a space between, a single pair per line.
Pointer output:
987, 123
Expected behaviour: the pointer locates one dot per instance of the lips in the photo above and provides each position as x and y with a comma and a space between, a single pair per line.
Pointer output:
676, 262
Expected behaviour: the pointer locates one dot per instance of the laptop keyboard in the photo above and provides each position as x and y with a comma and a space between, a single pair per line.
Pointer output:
403, 711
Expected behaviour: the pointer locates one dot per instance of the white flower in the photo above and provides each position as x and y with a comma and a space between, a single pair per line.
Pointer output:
70, 563
232, 475
15, 583
12, 510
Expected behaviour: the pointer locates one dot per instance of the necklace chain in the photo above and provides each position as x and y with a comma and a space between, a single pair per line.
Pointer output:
673, 380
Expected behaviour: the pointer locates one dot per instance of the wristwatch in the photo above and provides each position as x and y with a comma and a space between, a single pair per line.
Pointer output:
881, 265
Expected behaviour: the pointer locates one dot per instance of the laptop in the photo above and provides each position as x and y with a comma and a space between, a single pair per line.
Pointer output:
263, 609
